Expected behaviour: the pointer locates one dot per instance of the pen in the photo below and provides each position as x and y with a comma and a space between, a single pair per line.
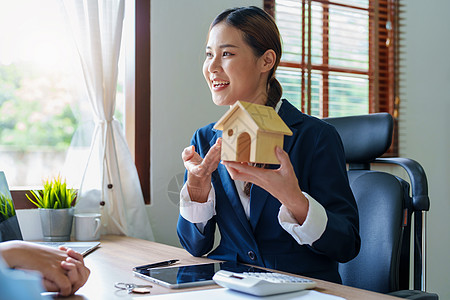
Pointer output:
158, 264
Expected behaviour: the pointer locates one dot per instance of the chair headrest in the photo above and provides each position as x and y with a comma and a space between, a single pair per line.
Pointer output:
365, 137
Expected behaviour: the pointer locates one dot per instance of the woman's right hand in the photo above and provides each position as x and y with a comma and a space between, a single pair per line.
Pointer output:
200, 170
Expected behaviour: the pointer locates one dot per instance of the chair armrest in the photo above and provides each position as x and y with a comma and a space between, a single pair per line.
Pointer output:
414, 295
420, 204
419, 183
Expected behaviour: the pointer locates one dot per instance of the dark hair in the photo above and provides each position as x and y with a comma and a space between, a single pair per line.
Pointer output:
261, 34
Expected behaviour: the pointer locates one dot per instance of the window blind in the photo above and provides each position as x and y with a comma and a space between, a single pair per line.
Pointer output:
339, 57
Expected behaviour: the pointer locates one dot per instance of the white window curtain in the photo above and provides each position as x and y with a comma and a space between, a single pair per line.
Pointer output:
110, 183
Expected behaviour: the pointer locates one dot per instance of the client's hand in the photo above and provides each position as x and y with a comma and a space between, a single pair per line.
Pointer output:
55, 265
282, 183
77, 272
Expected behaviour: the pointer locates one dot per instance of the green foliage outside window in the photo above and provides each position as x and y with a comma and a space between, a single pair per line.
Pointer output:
34, 109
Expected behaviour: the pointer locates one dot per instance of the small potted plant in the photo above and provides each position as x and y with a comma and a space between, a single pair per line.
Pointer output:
9, 230
55, 203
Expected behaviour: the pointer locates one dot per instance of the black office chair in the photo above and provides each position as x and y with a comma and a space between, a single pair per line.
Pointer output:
385, 210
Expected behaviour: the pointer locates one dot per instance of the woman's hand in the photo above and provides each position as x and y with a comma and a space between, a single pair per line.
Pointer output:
282, 183
200, 170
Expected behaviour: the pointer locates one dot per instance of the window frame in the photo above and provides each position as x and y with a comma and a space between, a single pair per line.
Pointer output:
383, 60
141, 113
142, 123
142, 96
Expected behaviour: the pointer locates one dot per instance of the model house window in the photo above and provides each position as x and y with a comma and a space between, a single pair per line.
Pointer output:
339, 57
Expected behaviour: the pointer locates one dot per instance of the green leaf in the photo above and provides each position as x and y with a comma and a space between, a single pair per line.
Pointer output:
55, 195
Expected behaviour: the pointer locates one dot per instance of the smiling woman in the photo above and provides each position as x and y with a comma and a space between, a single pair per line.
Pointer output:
298, 216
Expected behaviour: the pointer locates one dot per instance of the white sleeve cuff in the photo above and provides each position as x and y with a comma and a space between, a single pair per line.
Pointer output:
313, 227
196, 212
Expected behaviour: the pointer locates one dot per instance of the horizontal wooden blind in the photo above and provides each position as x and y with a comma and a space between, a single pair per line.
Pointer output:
339, 56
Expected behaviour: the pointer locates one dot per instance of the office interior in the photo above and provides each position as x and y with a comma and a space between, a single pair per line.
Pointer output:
178, 90
181, 103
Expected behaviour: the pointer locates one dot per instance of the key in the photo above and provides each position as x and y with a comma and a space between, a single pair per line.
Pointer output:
140, 289
133, 288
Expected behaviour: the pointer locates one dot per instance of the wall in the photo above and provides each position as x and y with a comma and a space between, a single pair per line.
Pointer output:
181, 103
180, 99
425, 105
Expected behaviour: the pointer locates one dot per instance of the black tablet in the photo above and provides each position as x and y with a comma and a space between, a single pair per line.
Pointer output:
193, 275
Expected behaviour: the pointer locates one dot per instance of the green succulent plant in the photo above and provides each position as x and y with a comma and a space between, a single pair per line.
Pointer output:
6, 207
55, 195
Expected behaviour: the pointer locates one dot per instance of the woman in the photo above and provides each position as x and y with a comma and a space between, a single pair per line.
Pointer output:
298, 217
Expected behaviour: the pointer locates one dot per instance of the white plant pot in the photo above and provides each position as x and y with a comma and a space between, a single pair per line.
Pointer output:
30, 224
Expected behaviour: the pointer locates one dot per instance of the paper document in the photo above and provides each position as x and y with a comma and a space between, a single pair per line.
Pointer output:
227, 294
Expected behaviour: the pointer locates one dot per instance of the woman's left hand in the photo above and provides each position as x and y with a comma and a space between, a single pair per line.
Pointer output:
282, 183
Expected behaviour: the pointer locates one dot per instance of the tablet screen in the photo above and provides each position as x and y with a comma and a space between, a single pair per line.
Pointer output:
193, 275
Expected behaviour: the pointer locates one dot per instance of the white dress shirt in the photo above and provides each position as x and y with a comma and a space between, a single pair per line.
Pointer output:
305, 234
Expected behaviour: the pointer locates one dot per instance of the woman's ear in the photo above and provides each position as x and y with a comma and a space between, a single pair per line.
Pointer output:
268, 60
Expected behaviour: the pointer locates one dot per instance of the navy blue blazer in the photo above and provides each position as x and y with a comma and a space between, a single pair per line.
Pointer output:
316, 153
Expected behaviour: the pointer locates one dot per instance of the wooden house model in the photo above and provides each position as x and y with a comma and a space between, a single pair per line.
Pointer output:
250, 133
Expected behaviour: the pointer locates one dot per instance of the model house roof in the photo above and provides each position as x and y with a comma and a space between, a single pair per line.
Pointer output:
265, 117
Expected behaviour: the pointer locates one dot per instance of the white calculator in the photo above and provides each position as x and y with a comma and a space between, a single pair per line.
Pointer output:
262, 284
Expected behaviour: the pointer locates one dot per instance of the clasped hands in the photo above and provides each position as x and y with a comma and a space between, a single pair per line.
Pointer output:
62, 269
282, 183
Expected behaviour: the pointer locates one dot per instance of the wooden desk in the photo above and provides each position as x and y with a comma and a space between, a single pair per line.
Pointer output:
117, 255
